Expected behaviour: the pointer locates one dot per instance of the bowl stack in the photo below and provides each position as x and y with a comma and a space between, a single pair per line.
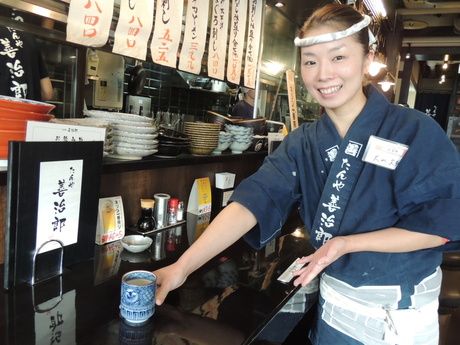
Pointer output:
171, 142
14, 114
225, 140
204, 137
241, 138
133, 137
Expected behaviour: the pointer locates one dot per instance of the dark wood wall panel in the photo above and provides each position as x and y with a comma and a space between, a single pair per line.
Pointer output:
176, 181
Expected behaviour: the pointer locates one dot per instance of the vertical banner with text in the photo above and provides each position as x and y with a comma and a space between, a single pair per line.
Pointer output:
134, 28
194, 42
88, 22
253, 42
167, 32
236, 44
217, 48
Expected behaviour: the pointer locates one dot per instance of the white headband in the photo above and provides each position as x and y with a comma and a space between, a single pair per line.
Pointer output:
333, 36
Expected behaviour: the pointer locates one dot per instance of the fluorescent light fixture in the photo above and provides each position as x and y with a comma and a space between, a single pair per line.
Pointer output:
272, 67
387, 83
376, 7
375, 67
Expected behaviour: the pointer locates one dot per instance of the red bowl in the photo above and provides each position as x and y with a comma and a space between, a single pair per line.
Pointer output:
5, 137
12, 125
25, 105
7, 113
3, 152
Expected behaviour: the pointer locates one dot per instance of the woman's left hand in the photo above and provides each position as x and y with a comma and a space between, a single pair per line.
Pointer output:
319, 260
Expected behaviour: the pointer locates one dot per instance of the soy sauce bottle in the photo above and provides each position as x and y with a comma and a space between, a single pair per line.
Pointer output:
146, 222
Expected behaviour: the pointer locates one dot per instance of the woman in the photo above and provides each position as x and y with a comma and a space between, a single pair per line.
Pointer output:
377, 187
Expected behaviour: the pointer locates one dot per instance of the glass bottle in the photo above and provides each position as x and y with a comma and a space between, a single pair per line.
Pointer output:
172, 210
146, 222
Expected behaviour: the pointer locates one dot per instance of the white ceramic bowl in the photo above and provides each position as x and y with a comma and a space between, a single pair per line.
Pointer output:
136, 243
239, 147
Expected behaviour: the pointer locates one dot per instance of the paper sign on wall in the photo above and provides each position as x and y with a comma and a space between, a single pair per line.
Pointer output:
194, 42
88, 22
253, 42
217, 48
58, 203
235, 49
134, 28
167, 32
199, 201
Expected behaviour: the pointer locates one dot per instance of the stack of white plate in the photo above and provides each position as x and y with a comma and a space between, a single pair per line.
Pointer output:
241, 137
133, 137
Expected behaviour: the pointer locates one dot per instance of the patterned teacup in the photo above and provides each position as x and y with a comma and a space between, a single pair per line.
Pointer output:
137, 303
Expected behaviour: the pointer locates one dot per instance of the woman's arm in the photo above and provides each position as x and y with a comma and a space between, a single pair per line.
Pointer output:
46, 89
229, 225
390, 240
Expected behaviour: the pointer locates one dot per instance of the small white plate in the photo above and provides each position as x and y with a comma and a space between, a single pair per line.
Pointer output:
132, 140
143, 136
133, 152
136, 243
135, 129
117, 116
126, 145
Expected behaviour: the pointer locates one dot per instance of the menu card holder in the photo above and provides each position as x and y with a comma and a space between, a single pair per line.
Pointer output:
35, 181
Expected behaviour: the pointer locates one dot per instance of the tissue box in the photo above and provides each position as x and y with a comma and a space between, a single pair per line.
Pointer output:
225, 180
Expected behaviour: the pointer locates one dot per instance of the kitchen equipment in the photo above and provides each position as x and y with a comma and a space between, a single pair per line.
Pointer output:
107, 91
137, 79
138, 105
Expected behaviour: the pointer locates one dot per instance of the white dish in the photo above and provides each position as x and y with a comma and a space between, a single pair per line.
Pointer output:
123, 157
117, 116
134, 152
125, 145
135, 129
142, 136
133, 140
136, 243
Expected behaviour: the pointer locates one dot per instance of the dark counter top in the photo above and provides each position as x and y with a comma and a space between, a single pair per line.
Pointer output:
228, 301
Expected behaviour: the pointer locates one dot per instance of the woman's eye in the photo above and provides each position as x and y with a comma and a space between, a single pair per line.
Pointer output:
309, 63
339, 58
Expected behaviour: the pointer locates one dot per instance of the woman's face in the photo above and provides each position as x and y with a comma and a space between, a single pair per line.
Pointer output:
333, 71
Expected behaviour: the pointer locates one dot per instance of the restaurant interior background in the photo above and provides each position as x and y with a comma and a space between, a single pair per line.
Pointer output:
418, 41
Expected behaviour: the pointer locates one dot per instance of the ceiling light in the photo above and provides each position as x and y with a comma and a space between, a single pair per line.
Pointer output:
272, 67
375, 67
387, 83
408, 52
376, 7
446, 57
279, 4
444, 66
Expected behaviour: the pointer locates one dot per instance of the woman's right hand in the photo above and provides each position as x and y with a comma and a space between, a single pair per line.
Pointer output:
168, 279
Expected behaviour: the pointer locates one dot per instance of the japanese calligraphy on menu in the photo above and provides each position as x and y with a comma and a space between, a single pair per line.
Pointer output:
88, 22
167, 32
253, 42
237, 33
133, 28
9, 47
217, 48
194, 43
58, 203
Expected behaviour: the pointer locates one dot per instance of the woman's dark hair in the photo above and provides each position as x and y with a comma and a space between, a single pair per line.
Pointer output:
340, 17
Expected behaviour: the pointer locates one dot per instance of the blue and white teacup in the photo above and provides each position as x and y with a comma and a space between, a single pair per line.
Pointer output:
137, 303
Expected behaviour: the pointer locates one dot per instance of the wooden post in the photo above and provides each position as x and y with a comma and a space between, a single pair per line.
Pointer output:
290, 80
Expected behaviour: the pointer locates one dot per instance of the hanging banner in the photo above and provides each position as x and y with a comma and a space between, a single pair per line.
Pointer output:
166, 33
253, 42
133, 28
217, 49
194, 42
88, 22
236, 44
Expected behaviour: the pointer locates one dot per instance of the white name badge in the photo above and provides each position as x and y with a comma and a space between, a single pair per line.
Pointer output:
384, 153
